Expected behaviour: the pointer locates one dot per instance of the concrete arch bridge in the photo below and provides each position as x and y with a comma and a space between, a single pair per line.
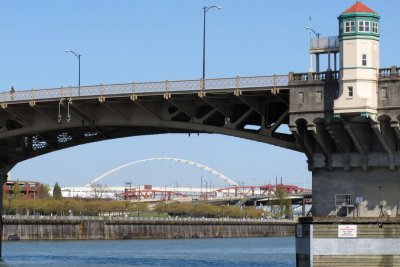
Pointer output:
353, 145
37, 122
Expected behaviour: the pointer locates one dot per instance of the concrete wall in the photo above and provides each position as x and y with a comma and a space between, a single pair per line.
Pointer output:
125, 229
317, 97
389, 99
374, 185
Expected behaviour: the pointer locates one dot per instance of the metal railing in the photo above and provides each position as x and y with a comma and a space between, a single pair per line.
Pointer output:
343, 200
236, 83
167, 87
139, 219
324, 43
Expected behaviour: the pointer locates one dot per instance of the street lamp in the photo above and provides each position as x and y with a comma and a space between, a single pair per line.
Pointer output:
312, 46
205, 9
312, 30
78, 56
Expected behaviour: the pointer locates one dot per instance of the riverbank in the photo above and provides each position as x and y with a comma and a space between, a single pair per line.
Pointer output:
111, 228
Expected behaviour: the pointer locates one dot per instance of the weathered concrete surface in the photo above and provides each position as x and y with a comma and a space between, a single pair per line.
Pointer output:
377, 242
137, 229
374, 186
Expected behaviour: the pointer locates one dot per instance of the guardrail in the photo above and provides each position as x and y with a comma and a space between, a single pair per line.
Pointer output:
146, 88
324, 43
140, 219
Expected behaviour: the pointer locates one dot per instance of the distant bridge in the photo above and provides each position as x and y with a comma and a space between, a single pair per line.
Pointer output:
184, 161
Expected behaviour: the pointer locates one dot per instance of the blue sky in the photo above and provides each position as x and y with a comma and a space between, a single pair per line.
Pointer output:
152, 40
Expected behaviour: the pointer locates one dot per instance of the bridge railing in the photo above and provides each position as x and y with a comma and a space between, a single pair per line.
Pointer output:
146, 87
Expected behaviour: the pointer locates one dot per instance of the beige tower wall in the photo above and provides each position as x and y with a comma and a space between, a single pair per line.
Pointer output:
363, 79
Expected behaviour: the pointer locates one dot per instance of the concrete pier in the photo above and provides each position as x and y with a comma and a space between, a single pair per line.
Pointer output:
322, 241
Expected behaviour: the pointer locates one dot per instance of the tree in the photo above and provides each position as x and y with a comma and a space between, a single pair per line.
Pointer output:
16, 190
43, 191
284, 205
160, 207
57, 192
15, 194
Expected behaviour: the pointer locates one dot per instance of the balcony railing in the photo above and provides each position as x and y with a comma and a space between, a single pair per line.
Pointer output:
324, 43
314, 76
389, 73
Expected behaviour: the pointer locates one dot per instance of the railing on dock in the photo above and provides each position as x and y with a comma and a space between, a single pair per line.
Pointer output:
139, 219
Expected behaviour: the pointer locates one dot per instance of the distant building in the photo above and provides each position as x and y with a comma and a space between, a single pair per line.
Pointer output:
29, 189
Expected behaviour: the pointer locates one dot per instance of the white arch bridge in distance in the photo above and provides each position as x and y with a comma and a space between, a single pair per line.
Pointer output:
184, 161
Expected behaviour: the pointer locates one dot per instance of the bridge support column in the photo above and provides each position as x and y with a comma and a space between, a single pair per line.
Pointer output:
356, 218
3, 179
368, 193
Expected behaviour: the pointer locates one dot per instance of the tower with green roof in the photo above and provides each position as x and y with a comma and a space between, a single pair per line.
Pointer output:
359, 52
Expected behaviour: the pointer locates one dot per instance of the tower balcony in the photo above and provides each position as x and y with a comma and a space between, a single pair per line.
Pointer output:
324, 45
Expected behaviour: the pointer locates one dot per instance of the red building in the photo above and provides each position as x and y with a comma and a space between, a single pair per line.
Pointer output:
28, 189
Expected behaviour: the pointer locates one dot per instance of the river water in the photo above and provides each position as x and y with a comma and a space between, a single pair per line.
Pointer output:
266, 251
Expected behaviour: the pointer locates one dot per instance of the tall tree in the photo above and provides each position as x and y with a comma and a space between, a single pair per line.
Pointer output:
283, 204
15, 194
57, 192
16, 190
43, 191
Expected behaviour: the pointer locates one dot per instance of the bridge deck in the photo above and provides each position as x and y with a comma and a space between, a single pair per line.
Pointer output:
147, 88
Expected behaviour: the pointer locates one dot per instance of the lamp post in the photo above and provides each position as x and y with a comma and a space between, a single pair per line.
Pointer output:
311, 30
78, 56
205, 9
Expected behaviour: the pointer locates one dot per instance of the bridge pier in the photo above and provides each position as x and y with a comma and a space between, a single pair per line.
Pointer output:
356, 193
347, 124
3, 179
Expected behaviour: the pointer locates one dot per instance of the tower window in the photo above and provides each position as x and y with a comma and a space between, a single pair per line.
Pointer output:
350, 26
367, 26
361, 26
350, 91
364, 60
375, 27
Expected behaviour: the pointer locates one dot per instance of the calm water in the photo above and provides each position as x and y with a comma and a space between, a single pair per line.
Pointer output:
271, 251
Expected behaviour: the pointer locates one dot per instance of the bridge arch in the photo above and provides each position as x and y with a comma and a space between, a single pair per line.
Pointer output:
38, 122
184, 161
